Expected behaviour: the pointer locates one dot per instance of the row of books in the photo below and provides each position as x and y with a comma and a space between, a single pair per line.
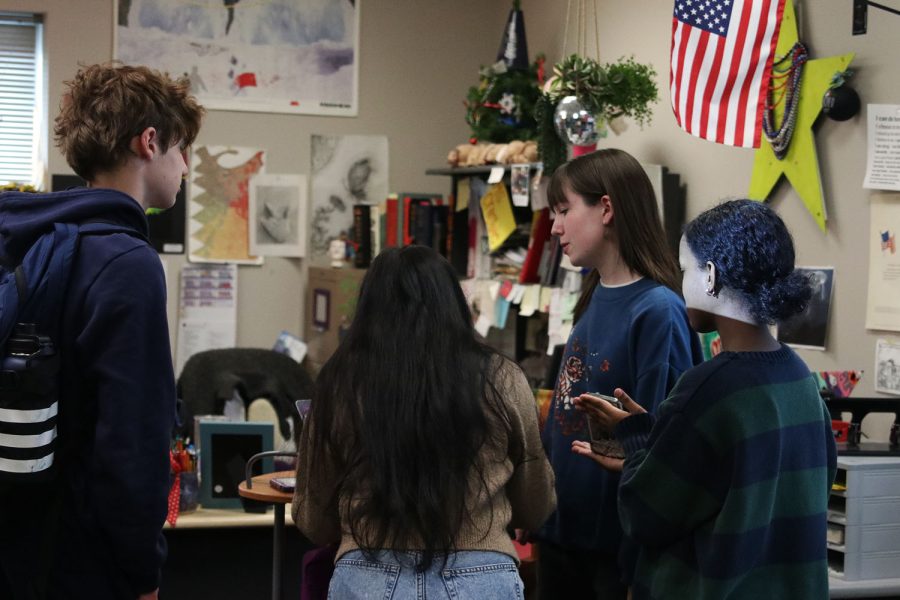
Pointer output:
531, 255
401, 220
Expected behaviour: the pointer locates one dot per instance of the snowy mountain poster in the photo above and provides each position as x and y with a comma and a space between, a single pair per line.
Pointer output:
289, 56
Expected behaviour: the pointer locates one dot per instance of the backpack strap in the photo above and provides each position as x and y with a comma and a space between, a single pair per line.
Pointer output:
65, 238
21, 283
54, 272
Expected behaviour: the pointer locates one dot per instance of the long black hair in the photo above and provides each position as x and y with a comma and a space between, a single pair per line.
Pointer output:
753, 252
402, 407
639, 230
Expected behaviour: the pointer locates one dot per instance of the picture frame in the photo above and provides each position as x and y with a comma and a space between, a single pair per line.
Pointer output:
321, 308
225, 448
277, 210
887, 367
809, 329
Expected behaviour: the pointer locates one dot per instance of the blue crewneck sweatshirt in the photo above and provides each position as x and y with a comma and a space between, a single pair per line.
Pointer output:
117, 402
636, 337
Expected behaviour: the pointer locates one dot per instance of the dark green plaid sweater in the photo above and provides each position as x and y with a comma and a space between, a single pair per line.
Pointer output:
726, 489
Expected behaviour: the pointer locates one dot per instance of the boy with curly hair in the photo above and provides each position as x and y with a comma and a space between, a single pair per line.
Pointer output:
97, 530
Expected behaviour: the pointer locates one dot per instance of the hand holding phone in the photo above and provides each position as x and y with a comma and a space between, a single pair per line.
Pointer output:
602, 440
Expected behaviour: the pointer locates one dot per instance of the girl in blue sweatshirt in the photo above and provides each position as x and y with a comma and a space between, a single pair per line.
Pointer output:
630, 331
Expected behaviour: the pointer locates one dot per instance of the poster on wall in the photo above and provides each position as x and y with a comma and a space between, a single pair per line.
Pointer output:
883, 147
207, 310
346, 170
219, 204
809, 329
883, 303
277, 213
287, 56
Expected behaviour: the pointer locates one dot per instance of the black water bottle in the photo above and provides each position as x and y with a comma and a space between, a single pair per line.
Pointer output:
26, 352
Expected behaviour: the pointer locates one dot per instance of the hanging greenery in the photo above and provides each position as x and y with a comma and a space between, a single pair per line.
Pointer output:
500, 108
625, 88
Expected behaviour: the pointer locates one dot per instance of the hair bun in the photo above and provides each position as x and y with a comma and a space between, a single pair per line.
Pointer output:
784, 297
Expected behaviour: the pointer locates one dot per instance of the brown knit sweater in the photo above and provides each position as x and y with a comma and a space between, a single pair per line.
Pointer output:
519, 491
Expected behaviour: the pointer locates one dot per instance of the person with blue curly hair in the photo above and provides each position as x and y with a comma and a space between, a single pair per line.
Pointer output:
726, 488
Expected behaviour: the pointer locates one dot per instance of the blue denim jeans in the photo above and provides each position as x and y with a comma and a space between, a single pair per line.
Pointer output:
468, 575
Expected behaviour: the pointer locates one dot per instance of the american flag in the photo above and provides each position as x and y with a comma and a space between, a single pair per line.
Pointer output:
722, 52
887, 241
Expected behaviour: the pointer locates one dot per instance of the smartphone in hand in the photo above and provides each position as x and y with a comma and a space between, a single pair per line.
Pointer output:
283, 484
604, 443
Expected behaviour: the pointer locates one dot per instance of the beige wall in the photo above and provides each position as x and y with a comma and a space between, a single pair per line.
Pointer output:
713, 172
417, 59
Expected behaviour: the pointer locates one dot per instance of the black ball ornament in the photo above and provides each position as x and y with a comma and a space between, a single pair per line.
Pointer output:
840, 103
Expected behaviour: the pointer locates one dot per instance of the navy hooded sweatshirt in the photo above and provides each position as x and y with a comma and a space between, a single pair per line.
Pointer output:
117, 404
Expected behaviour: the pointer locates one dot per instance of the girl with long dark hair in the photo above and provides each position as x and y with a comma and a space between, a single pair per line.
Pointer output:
421, 449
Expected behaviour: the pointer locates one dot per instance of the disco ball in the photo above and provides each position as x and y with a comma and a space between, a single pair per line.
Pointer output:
575, 124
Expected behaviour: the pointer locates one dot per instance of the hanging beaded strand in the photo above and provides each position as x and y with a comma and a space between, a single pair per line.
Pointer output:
785, 83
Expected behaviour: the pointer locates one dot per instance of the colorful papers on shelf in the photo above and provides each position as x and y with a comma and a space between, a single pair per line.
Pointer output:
838, 384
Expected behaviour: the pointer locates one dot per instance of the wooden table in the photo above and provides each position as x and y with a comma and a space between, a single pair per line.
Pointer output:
260, 490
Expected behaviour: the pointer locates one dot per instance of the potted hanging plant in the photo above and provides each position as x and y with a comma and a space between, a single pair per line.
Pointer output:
583, 97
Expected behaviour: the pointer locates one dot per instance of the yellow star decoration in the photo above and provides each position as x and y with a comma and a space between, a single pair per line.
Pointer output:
800, 165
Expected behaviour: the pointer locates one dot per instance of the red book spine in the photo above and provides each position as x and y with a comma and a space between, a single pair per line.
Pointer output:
540, 233
391, 224
407, 226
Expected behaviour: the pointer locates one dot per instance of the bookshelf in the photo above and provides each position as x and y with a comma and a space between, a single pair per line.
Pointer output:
523, 338
457, 172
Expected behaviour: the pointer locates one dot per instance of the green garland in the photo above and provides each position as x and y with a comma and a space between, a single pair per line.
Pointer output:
500, 108
551, 148
622, 89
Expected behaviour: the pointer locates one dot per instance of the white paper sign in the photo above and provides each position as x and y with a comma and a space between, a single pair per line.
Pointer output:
207, 316
883, 303
883, 164
887, 367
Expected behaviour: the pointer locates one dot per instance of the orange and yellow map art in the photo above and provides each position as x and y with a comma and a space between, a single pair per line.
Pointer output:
219, 223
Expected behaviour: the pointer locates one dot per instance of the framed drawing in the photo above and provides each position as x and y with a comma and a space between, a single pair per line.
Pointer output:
887, 367
219, 204
289, 56
277, 215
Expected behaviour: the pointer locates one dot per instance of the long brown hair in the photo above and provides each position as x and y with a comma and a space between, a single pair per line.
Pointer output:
639, 230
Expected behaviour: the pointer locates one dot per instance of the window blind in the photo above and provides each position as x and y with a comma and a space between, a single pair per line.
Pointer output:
19, 96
